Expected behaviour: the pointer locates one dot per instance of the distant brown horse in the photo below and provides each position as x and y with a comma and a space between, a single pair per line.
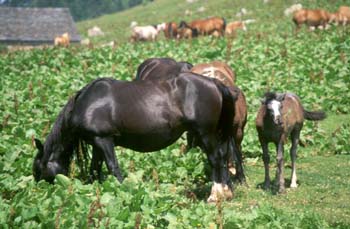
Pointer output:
232, 27
317, 18
342, 16
63, 40
223, 72
209, 26
281, 116
170, 30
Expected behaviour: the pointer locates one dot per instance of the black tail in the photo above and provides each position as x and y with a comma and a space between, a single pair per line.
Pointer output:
227, 111
314, 115
229, 98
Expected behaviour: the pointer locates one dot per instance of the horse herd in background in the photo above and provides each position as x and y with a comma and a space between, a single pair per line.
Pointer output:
166, 99
320, 18
215, 26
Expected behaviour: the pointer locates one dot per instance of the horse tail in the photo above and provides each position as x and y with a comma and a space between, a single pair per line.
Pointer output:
314, 115
224, 25
227, 110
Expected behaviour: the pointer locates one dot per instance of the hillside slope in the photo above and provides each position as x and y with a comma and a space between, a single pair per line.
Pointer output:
269, 15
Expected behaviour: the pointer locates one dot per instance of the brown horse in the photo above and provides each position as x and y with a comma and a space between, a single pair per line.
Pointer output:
342, 16
170, 30
185, 31
312, 18
232, 27
281, 116
209, 26
223, 72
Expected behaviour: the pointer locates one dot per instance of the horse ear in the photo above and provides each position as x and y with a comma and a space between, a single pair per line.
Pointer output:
39, 145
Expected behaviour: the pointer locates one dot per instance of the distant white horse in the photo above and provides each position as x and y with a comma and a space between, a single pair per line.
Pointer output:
146, 33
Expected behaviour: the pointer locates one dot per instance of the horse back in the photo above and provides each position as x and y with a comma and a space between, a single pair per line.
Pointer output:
292, 111
218, 70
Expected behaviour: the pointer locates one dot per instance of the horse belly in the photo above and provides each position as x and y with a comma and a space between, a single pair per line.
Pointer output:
148, 142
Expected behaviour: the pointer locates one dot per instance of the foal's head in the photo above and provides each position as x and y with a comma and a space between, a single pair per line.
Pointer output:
49, 162
273, 103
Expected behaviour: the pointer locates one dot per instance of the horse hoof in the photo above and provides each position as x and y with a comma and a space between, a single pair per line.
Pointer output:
220, 192
294, 185
266, 186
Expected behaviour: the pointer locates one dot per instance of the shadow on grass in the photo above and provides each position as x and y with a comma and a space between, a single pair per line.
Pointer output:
274, 188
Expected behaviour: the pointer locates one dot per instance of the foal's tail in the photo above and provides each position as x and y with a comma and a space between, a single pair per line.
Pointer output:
227, 110
314, 115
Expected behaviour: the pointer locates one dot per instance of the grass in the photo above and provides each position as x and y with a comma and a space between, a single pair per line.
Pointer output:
334, 121
322, 189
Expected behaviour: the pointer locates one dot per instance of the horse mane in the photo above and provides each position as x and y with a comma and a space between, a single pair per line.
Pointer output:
62, 124
55, 136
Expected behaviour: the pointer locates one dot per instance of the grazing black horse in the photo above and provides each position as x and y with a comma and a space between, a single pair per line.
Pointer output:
161, 69
282, 115
143, 116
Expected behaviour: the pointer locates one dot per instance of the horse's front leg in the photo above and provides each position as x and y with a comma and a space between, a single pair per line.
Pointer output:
106, 145
266, 159
280, 167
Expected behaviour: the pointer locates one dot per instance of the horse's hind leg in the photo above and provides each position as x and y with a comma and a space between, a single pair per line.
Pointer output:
236, 156
218, 156
239, 162
106, 145
293, 155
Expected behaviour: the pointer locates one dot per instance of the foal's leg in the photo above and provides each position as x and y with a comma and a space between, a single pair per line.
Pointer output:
280, 167
293, 155
106, 145
266, 159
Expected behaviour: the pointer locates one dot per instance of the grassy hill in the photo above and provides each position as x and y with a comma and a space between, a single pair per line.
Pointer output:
168, 189
269, 15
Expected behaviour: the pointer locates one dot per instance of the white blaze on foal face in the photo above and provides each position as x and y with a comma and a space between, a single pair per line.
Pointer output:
274, 107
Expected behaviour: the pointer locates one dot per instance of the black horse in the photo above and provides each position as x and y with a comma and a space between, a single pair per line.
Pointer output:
159, 69
143, 116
